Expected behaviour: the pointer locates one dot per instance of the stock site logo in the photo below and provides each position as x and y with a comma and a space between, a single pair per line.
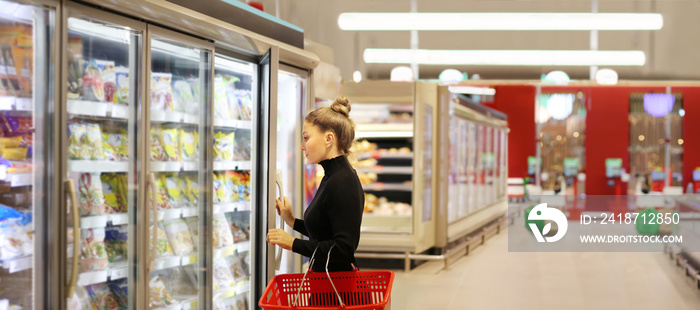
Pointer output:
541, 212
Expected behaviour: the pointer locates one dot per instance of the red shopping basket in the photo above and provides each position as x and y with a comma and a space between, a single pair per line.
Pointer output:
354, 290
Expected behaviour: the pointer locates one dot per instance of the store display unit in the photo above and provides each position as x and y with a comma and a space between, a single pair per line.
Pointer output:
472, 171
154, 192
395, 126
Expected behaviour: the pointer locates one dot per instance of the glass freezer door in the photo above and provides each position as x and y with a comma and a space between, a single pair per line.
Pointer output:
178, 170
291, 100
101, 68
235, 118
26, 118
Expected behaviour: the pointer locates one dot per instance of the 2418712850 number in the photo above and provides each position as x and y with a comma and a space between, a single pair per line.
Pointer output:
632, 218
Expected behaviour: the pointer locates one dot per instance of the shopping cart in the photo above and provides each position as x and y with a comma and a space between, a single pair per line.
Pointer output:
354, 290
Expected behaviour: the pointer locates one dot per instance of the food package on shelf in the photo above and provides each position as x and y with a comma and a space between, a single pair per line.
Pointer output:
109, 79
172, 189
93, 85
161, 91
221, 108
77, 137
241, 150
193, 225
222, 232
159, 295
219, 188
15, 238
93, 255
223, 145
193, 188
162, 200
366, 163
237, 268
223, 278
244, 101
91, 197
193, 106
80, 299
102, 297
179, 236
162, 244
157, 150
189, 144
363, 146
239, 229
114, 190
230, 187
178, 282
115, 143
120, 289
116, 243
381, 206
170, 141
122, 81
75, 75
93, 140
367, 178
183, 96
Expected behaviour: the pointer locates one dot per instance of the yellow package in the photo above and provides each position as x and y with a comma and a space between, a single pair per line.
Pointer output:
189, 141
170, 142
171, 182
10, 142
123, 186
223, 145
230, 187
193, 189
157, 152
162, 200
115, 147
186, 193
109, 189
162, 245
15, 153
219, 188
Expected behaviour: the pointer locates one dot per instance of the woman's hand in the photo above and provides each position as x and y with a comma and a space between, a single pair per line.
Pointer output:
281, 238
285, 211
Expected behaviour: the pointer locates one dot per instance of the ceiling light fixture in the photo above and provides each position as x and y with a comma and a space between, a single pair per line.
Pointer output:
505, 57
499, 21
473, 90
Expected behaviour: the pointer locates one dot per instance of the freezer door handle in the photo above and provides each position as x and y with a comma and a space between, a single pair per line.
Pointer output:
70, 187
278, 257
154, 230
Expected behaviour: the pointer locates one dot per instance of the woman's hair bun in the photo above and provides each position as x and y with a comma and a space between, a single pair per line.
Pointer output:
342, 106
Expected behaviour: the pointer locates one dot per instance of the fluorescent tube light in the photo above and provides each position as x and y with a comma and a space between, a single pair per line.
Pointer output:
500, 21
505, 57
473, 90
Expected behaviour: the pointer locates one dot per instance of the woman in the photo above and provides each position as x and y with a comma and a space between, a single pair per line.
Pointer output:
334, 216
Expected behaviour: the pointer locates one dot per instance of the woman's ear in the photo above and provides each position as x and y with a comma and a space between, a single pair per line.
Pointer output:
330, 137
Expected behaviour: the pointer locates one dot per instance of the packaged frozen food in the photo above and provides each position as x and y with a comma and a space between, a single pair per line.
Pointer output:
159, 294
116, 243
245, 104
109, 79
230, 188
10, 142
94, 142
91, 198
92, 249
189, 144
162, 199
77, 137
161, 91
237, 268
193, 225
222, 274
193, 188
93, 88
17, 125
75, 75
219, 190
179, 236
120, 289
15, 153
183, 95
171, 143
221, 108
162, 244
115, 146
14, 238
114, 193
122, 80
157, 151
172, 189
241, 149
178, 282
223, 145
222, 232
185, 193
102, 297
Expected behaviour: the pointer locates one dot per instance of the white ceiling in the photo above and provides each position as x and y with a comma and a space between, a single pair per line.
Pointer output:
673, 53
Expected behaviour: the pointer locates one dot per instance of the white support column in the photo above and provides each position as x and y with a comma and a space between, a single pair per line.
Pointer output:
414, 40
594, 39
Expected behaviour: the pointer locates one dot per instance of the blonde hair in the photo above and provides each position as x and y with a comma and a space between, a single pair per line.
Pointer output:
336, 119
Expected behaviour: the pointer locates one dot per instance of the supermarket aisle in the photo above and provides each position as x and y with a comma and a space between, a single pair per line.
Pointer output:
493, 278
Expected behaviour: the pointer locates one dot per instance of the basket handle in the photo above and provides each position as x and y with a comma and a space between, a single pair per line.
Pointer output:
311, 263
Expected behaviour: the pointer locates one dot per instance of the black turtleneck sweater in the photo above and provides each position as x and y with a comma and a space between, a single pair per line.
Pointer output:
333, 217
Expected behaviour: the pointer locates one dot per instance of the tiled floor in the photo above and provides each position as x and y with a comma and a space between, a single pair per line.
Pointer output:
493, 278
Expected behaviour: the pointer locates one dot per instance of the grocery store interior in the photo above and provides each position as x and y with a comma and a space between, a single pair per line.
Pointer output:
513, 154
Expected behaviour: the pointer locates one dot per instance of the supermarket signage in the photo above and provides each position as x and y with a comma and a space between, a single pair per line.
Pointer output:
543, 213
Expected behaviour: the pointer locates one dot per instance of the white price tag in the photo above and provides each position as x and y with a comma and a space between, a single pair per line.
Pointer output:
120, 111
3, 172
189, 260
119, 273
21, 264
119, 219
6, 103
21, 179
23, 104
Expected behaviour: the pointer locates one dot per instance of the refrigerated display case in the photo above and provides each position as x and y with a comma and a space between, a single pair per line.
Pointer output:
395, 122
167, 136
471, 174
28, 201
